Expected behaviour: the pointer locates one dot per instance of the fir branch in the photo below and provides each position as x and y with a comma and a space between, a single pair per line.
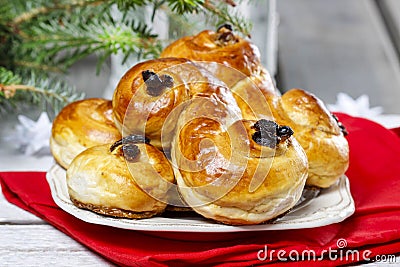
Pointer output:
44, 36
10, 90
224, 14
126, 5
54, 92
220, 11
43, 10
78, 40
66, 37
5, 11
7, 77
185, 6
36, 66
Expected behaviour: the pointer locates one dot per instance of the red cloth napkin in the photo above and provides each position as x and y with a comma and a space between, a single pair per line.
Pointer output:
373, 230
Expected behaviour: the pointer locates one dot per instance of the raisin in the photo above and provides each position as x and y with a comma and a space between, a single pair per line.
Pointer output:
265, 139
268, 133
265, 125
341, 126
130, 151
156, 84
130, 139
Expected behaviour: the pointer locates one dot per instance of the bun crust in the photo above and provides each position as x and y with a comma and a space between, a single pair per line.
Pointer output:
132, 85
226, 176
80, 125
106, 183
319, 134
237, 63
138, 112
256, 98
237, 53
241, 152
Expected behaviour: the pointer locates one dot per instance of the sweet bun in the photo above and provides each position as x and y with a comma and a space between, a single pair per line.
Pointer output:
80, 125
235, 61
151, 95
242, 174
315, 128
255, 99
319, 133
131, 87
122, 180
222, 46
241, 152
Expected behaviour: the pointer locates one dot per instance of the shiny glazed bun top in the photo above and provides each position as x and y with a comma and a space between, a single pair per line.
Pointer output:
128, 179
235, 61
319, 133
80, 125
222, 46
247, 172
151, 95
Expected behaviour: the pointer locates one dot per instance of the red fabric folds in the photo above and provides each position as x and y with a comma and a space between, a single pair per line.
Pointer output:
373, 230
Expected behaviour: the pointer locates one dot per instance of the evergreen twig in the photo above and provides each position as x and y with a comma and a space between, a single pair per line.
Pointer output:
225, 14
42, 10
54, 92
47, 37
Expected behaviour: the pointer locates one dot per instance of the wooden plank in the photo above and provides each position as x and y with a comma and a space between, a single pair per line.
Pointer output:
42, 245
391, 13
327, 47
13, 160
11, 214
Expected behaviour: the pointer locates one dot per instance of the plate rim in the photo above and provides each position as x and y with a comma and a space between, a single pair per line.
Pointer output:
150, 225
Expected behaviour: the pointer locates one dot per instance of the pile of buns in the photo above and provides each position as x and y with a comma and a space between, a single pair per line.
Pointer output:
202, 128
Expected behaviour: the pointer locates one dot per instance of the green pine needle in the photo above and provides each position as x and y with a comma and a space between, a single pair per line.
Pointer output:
185, 6
48, 37
218, 14
53, 93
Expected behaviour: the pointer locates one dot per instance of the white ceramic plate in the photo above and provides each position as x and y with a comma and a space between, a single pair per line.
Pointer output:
330, 206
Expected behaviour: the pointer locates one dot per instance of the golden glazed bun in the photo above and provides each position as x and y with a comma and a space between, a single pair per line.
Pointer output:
218, 52
80, 125
151, 95
319, 133
223, 47
255, 99
239, 175
105, 182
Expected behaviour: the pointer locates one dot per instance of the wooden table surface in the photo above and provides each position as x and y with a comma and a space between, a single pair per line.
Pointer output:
26, 240
325, 47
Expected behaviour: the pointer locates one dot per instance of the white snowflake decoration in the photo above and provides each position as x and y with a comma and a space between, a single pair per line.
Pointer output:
31, 136
356, 107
